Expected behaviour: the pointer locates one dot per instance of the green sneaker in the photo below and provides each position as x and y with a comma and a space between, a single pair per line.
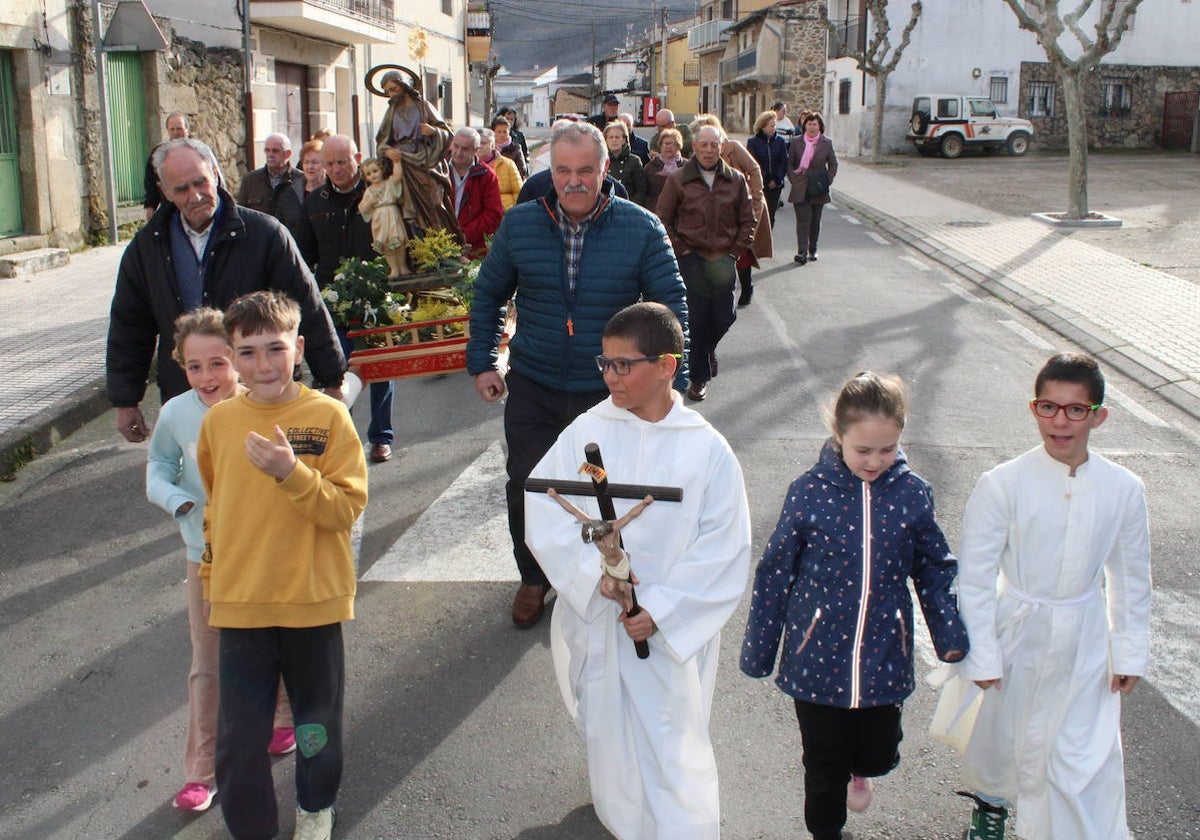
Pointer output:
987, 820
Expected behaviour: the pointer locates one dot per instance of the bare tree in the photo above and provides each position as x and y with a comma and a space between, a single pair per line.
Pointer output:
1048, 22
873, 58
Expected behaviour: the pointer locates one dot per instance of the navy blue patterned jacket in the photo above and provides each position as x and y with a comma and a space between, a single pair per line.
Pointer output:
833, 582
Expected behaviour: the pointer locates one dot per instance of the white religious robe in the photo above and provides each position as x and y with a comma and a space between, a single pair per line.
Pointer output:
1036, 545
645, 722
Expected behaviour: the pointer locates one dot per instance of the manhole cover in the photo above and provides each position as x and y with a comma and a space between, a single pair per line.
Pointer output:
968, 224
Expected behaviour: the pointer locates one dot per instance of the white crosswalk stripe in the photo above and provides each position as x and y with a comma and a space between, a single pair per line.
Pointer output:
462, 536
1027, 334
958, 290
1174, 639
1134, 407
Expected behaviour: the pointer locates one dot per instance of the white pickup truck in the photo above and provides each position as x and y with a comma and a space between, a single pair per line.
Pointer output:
949, 123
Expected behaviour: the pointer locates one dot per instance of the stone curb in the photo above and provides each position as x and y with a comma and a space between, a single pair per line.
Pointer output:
49, 426
1171, 385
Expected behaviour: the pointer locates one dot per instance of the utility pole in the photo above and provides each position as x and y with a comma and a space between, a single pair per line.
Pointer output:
662, 91
592, 97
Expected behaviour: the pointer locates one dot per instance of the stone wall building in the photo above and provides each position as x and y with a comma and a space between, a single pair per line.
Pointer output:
775, 54
80, 79
571, 101
1157, 55
206, 84
41, 164
1124, 103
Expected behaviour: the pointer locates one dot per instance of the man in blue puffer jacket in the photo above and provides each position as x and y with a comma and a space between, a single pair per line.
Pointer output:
573, 259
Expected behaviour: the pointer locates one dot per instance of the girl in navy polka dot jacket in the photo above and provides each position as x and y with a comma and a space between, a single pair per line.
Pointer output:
833, 582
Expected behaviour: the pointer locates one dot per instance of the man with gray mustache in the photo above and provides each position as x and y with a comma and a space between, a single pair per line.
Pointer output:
572, 259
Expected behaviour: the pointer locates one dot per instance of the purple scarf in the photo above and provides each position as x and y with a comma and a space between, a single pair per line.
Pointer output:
669, 165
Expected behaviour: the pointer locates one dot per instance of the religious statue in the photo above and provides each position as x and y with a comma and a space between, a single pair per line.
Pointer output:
380, 205
414, 135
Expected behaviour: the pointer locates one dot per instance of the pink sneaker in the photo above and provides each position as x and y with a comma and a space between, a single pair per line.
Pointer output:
195, 797
858, 794
283, 741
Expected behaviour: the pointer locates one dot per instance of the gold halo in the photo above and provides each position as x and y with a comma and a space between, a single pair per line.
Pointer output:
369, 79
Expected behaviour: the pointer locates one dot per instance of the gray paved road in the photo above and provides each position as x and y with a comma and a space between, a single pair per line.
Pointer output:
455, 727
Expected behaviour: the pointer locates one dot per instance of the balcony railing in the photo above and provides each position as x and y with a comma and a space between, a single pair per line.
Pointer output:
743, 64
691, 71
847, 40
479, 23
709, 34
379, 12
342, 21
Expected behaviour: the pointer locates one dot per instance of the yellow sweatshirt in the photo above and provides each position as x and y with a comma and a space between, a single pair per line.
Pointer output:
277, 553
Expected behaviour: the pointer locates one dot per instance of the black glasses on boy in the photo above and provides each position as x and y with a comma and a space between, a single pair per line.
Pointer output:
622, 366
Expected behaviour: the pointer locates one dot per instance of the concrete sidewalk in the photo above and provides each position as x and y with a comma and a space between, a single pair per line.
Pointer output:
53, 327
1142, 322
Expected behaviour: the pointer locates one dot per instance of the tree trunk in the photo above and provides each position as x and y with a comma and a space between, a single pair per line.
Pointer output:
1077, 142
880, 99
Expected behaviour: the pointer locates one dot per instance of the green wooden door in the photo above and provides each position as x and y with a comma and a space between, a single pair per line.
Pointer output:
10, 174
127, 123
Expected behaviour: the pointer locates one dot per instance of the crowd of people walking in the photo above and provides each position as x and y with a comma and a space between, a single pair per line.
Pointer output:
623, 261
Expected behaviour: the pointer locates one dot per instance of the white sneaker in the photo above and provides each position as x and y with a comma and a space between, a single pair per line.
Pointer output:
314, 826
858, 794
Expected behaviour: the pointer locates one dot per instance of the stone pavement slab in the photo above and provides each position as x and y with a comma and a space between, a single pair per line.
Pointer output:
1141, 321
1155, 194
53, 327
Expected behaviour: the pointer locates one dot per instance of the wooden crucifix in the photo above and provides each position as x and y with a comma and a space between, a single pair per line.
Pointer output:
604, 493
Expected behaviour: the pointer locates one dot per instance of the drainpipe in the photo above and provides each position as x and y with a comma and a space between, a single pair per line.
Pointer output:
354, 96
780, 39
247, 95
369, 116
110, 178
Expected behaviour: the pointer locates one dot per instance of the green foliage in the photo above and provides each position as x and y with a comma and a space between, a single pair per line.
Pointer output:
359, 297
18, 457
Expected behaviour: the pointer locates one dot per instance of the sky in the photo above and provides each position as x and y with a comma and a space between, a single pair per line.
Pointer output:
550, 32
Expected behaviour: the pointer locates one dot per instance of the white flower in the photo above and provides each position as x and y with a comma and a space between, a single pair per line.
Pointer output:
330, 295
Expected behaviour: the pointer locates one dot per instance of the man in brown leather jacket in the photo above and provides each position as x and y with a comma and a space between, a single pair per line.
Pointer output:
708, 213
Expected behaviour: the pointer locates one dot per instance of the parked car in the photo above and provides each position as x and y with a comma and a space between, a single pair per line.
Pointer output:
950, 123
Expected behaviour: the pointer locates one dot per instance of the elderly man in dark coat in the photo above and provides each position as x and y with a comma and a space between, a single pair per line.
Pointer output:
201, 249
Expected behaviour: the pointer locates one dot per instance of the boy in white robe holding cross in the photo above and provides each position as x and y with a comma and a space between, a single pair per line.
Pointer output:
645, 721
1054, 587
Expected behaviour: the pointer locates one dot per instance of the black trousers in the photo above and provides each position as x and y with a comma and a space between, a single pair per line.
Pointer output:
772, 197
711, 308
534, 416
837, 743
313, 665
808, 226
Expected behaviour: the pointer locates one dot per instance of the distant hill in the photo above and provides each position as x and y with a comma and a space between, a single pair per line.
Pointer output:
549, 32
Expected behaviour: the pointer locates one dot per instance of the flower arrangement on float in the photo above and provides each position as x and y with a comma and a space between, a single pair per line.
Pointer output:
411, 325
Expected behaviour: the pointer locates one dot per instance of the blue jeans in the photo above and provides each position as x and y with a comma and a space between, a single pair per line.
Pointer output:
381, 394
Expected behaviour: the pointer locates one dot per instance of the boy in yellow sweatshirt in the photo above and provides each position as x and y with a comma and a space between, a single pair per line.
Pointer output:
286, 479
